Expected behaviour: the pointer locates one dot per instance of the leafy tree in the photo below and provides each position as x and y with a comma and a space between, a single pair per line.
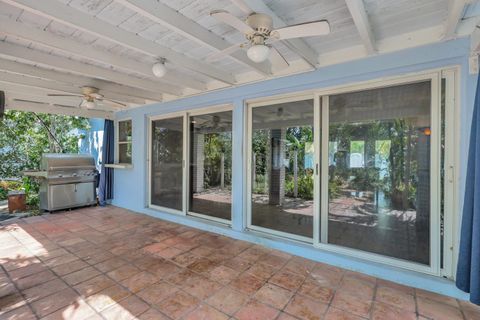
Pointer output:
25, 136
217, 144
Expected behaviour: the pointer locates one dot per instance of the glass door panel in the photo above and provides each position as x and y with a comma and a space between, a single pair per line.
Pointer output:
282, 169
211, 165
379, 171
167, 163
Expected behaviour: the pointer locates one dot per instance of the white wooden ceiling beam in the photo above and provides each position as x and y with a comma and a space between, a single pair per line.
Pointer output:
54, 109
65, 14
13, 87
60, 101
23, 31
23, 95
175, 21
18, 92
360, 18
455, 12
21, 52
299, 46
11, 78
29, 70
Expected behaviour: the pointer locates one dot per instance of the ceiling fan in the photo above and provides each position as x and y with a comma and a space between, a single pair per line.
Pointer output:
215, 123
90, 96
260, 34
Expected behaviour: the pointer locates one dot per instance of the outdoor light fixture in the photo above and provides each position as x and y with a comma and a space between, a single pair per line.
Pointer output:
258, 53
159, 69
89, 104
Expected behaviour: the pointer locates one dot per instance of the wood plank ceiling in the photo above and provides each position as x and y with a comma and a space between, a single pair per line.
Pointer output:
58, 46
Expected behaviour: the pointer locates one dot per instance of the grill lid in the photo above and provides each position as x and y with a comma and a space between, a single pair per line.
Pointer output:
66, 161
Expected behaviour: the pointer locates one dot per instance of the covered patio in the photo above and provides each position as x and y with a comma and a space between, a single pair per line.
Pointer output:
259, 159
110, 263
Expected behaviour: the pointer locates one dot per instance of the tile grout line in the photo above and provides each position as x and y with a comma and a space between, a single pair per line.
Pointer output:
16, 287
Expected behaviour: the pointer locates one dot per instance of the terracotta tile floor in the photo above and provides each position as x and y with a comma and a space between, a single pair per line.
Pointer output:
109, 263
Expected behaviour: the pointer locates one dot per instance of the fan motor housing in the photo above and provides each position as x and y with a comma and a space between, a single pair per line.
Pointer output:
261, 23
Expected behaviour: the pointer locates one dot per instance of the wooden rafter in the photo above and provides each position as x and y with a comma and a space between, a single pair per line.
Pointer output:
455, 12
85, 22
360, 18
29, 70
21, 52
10, 78
177, 22
20, 30
54, 109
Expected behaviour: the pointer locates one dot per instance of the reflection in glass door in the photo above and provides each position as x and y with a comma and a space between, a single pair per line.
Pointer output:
379, 152
211, 165
167, 163
282, 168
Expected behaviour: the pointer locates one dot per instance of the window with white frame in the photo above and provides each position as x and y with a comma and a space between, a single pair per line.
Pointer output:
124, 142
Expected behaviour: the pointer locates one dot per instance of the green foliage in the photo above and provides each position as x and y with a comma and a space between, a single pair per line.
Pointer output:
260, 185
305, 187
6, 186
217, 144
260, 141
25, 136
366, 179
335, 187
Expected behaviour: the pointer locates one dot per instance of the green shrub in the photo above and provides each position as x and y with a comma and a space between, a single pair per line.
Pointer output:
31, 187
6, 186
335, 187
305, 186
260, 185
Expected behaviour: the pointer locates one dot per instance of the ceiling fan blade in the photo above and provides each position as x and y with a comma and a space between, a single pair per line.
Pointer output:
222, 53
277, 60
113, 101
63, 95
231, 20
309, 29
242, 6
96, 95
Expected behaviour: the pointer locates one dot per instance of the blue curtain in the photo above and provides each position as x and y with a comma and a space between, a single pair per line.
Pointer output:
468, 270
105, 187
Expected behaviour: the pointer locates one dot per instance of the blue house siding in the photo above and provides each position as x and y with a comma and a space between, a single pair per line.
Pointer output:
131, 185
93, 141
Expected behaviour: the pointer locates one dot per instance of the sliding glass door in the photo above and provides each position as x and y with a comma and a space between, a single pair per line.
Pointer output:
282, 168
190, 168
210, 183
379, 171
352, 170
166, 171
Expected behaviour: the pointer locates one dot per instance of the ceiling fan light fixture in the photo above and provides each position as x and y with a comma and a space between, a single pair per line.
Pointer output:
89, 104
258, 53
159, 70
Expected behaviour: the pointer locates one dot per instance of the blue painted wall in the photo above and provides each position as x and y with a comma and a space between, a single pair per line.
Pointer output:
93, 141
130, 185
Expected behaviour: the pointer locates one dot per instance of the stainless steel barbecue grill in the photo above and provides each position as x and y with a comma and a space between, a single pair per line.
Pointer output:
67, 181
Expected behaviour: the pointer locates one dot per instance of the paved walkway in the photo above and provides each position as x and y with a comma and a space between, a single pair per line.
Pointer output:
109, 263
